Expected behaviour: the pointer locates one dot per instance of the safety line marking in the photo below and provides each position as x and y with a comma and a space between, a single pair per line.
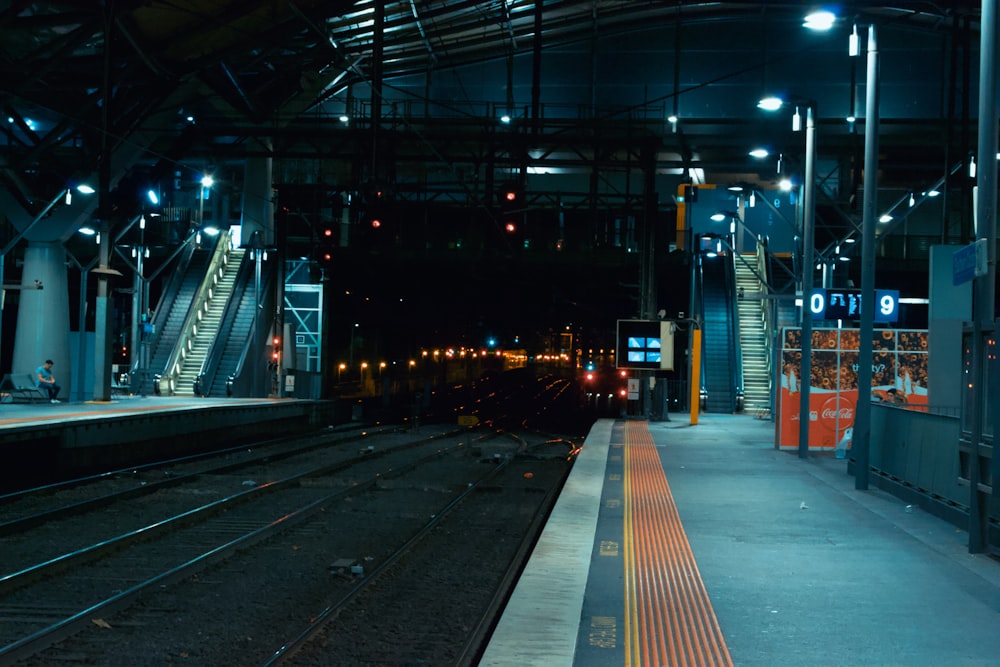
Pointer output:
669, 620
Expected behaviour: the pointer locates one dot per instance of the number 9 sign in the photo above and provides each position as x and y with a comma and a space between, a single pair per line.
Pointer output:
886, 305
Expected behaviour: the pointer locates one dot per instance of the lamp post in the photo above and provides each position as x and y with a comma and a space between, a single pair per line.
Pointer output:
808, 225
808, 258
863, 409
206, 184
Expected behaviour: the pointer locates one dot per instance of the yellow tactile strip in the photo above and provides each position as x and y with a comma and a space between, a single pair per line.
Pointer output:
669, 618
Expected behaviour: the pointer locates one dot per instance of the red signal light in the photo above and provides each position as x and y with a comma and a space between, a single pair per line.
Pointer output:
376, 223
510, 195
510, 228
328, 233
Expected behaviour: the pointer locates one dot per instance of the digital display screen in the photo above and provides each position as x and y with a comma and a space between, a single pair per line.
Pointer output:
645, 344
845, 304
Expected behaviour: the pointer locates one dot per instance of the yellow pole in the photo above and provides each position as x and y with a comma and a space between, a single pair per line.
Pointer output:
695, 374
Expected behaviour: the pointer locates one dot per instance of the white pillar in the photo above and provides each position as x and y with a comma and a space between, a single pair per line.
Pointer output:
43, 314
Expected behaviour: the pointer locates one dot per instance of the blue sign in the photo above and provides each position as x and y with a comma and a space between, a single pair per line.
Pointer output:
845, 304
968, 262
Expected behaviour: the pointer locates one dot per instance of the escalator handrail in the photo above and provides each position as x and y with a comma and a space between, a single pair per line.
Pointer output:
256, 333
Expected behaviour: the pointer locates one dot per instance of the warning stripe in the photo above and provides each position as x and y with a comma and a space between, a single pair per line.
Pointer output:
669, 618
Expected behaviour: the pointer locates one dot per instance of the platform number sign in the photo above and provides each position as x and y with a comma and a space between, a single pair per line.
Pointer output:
645, 344
845, 304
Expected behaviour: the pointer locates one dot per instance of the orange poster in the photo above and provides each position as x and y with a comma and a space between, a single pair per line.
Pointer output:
899, 361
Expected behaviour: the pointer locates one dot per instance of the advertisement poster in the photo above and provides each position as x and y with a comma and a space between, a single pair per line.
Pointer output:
899, 361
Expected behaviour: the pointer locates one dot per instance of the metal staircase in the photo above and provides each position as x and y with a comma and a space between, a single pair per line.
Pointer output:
752, 335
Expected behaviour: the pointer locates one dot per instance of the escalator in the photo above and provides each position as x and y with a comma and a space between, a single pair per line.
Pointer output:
204, 325
229, 370
175, 302
721, 359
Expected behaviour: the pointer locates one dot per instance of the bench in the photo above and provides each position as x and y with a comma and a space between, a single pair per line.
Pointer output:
21, 388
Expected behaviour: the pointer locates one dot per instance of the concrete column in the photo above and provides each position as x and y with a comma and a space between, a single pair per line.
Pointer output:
258, 204
43, 315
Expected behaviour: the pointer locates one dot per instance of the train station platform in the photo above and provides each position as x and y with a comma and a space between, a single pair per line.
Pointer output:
42, 440
680, 544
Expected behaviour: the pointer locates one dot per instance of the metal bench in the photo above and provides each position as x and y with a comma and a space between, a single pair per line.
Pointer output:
21, 388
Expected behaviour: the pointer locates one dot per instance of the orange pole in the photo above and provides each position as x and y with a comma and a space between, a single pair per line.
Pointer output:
695, 374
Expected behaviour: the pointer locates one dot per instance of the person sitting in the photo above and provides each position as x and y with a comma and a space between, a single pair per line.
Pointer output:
47, 381
893, 396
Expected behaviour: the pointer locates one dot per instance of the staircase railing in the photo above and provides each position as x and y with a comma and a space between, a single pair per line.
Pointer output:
252, 370
199, 306
734, 330
767, 308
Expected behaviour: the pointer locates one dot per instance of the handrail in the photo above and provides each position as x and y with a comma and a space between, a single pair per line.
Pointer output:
168, 296
256, 333
767, 307
734, 331
199, 306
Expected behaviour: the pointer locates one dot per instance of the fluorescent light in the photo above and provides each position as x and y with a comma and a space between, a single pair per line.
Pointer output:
759, 153
718, 217
87, 231
821, 20
154, 198
885, 218
770, 103
85, 189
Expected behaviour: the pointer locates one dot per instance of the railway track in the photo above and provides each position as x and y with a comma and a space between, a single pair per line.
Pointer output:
86, 566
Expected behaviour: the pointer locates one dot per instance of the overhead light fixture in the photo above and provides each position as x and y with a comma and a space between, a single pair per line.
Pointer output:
972, 166
820, 21
85, 189
785, 185
770, 103
753, 198
885, 218
853, 44
344, 119
932, 193
505, 119
207, 181
87, 231
718, 217
153, 198
759, 153
912, 200
796, 121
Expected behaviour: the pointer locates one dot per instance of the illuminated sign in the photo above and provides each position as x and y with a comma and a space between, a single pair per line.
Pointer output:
845, 304
645, 344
